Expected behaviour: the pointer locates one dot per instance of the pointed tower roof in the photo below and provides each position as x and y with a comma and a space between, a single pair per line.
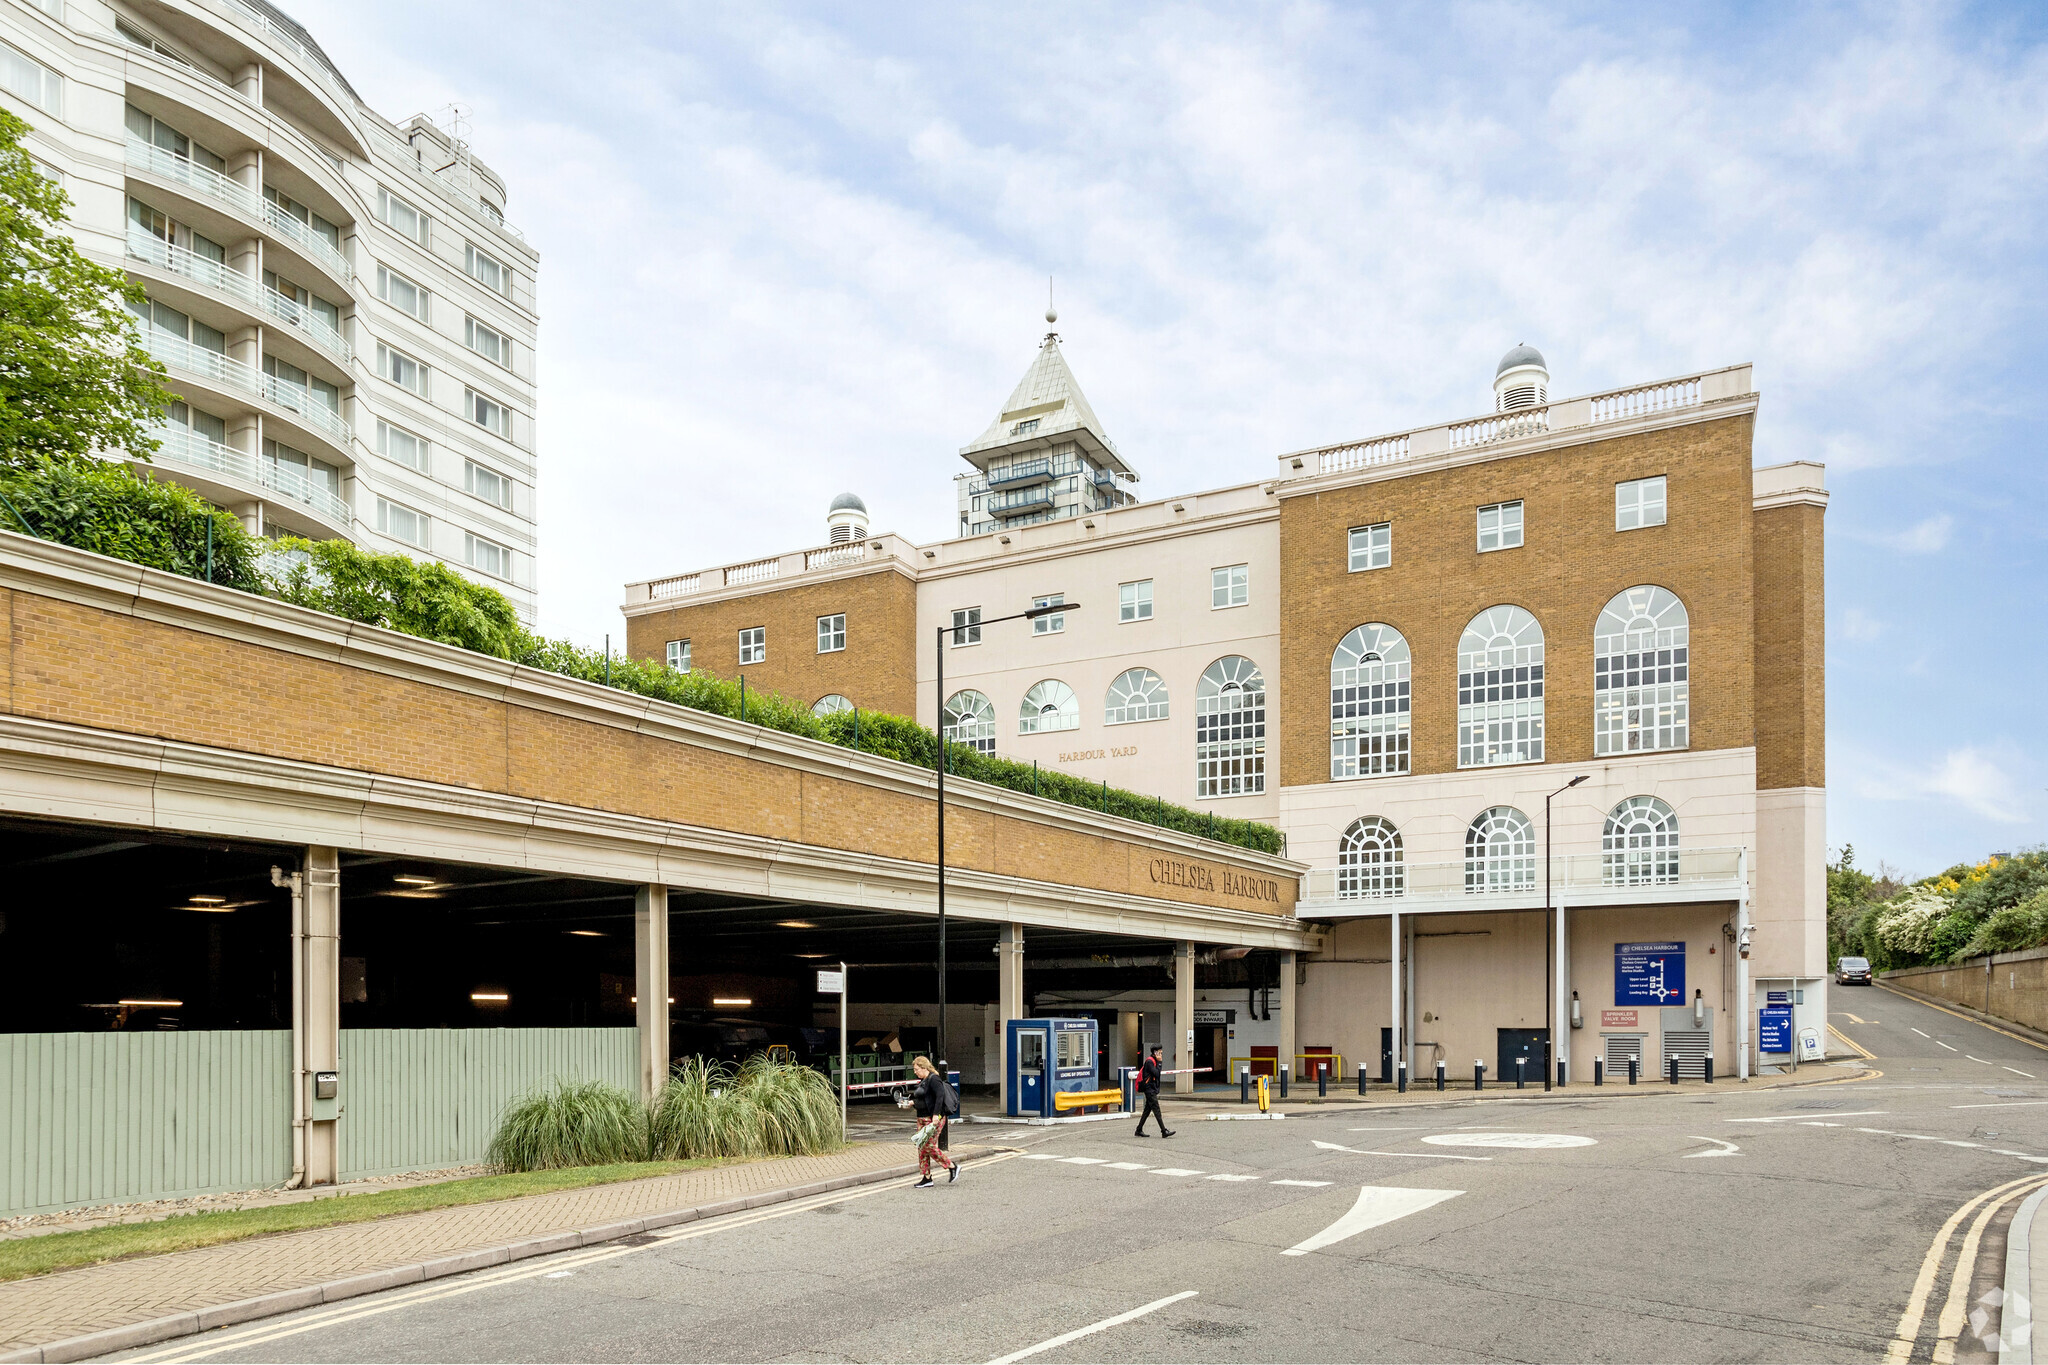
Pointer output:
1047, 408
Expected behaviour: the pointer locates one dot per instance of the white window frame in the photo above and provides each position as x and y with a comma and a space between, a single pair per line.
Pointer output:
969, 718
832, 633
1230, 586
475, 486
423, 232
1639, 843
1134, 601
475, 547
1505, 532
1049, 706
388, 358
1371, 547
966, 627
753, 645
18, 69
477, 406
424, 297
1641, 503
1230, 729
471, 255
471, 327
385, 508
1371, 860
1369, 704
1053, 623
1642, 689
385, 446
1136, 695
1500, 689
1500, 852
677, 656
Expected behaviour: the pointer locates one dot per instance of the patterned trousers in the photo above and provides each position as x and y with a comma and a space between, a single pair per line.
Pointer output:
928, 1151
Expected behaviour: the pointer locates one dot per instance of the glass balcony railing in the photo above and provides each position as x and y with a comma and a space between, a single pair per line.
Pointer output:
310, 408
154, 160
304, 320
154, 250
1021, 474
183, 446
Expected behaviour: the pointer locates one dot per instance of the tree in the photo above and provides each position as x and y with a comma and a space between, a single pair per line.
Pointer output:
74, 378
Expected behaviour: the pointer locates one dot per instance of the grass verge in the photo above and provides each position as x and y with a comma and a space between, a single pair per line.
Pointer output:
22, 1256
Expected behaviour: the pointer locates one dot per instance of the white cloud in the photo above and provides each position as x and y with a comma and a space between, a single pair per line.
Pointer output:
1927, 537
1859, 626
1966, 777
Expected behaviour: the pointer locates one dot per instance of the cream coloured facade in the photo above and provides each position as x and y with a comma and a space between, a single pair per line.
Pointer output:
344, 314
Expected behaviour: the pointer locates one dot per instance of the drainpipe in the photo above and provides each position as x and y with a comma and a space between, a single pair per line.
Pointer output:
297, 882
1742, 937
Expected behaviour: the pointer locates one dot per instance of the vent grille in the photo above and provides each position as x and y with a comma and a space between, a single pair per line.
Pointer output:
1524, 396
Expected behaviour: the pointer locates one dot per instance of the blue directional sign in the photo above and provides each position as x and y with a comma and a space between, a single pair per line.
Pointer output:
1774, 1029
1649, 973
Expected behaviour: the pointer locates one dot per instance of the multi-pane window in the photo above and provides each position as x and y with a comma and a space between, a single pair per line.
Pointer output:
487, 342
753, 644
1639, 843
297, 474
1639, 502
970, 719
401, 293
1054, 623
967, 627
158, 134
1137, 694
24, 76
1230, 729
1500, 689
1369, 703
487, 413
832, 633
1641, 673
487, 271
402, 370
1369, 859
679, 655
831, 704
1134, 601
1049, 705
402, 216
1231, 586
1372, 547
1500, 526
402, 523
488, 556
486, 483
398, 444
1500, 852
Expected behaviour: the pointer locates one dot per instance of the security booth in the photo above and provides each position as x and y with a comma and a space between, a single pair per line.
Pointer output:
1045, 1057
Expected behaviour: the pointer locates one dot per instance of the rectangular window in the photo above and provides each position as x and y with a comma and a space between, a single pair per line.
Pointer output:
1134, 601
402, 370
493, 487
487, 414
487, 272
401, 293
1500, 526
23, 75
402, 523
491, 345
1053, 624
1230, 587
1372, 547
753, 644
402, 216
400, 445
679, 655
831, 633
1638, 503
488, 556
967, 626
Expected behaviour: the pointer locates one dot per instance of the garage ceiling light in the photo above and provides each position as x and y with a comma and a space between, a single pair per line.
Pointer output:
587, 933
731, 1000
413, 879
209, 900
795, 924
490, 997
153, 1004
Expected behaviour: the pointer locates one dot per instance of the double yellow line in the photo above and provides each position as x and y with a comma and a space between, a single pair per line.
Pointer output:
1955, 1306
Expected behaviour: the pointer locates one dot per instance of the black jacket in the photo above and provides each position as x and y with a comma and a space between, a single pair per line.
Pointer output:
929, 1096
1148, 1076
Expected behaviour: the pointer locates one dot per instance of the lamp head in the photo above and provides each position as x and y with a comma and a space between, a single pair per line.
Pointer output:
1035, 612
1576, 781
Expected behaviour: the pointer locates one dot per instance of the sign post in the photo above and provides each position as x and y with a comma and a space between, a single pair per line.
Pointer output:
831, 983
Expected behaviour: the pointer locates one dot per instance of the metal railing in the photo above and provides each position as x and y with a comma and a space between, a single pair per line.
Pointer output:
154, 160
178, 353
311, 408
308, 241
1021, 473
1521, 876
1023, 500
225, 279
303, 319
187, 447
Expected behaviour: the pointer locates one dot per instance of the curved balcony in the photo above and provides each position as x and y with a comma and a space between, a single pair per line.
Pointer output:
152, 160
237, 471
296, 404
153, 250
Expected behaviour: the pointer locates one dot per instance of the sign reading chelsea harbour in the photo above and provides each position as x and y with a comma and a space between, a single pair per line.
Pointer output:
1200, 877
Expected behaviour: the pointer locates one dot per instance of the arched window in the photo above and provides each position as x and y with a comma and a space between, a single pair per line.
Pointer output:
1500, 689
1639, 845
971, 719
831, 704
1640, 693
1049, 705
1369, 860
1137, 694
1230, 729
1500, 852
1369, 703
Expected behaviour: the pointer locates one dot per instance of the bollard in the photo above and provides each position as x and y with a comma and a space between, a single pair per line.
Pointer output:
1439, 1075
1244, 1085
1361, 1082
1322, 1080
1707, 1069
1478, 1074
1283, 1080
1634, 1065
1521, 1072
1672, 1063
1599, 1072
1401, 1078
1564, 1069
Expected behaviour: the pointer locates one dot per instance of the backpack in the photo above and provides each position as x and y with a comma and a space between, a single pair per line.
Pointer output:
949, 1099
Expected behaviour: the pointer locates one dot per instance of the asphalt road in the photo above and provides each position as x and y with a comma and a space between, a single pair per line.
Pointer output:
1741, 1225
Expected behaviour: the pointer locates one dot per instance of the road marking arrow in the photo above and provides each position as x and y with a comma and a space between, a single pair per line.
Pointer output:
1727, 1148
1431, 1156
1376, 1205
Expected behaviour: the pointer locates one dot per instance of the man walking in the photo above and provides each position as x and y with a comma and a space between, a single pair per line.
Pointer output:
1148, 1086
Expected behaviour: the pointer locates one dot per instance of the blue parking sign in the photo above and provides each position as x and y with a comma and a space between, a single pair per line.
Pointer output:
1774, 1029
1649, 973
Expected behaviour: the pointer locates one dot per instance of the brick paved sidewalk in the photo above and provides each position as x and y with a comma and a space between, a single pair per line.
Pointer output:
71, 1303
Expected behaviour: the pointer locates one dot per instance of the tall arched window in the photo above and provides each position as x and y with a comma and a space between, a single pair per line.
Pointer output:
1640, 692
1639, 845
1230, 729
1500, 689
1049, 705
831, 704
1137, 694
1369, 859
971, 719
1500, 852
1369, 703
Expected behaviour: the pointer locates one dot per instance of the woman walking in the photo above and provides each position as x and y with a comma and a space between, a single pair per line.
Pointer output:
933, 1098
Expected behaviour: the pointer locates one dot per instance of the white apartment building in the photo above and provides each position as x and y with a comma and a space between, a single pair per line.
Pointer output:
346, 317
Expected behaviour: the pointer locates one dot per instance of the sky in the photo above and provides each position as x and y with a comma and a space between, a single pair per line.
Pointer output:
791, 252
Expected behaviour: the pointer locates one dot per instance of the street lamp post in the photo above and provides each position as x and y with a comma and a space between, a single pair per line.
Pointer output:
945, 1053
1554, 924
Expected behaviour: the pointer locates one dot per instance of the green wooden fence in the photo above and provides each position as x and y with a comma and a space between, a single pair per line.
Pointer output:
97, 1118
416, 1099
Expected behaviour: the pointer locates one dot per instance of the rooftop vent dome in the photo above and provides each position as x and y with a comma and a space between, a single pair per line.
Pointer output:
847, 519
1521, 380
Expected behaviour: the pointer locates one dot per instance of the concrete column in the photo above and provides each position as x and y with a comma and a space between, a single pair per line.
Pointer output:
1009, 1001
1561, 1045
1396, 1016
1181, 1047
319, 1008
1288, 1047
650, 985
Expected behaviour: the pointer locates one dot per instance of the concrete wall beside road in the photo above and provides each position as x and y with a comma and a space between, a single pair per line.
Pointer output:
2010, 986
